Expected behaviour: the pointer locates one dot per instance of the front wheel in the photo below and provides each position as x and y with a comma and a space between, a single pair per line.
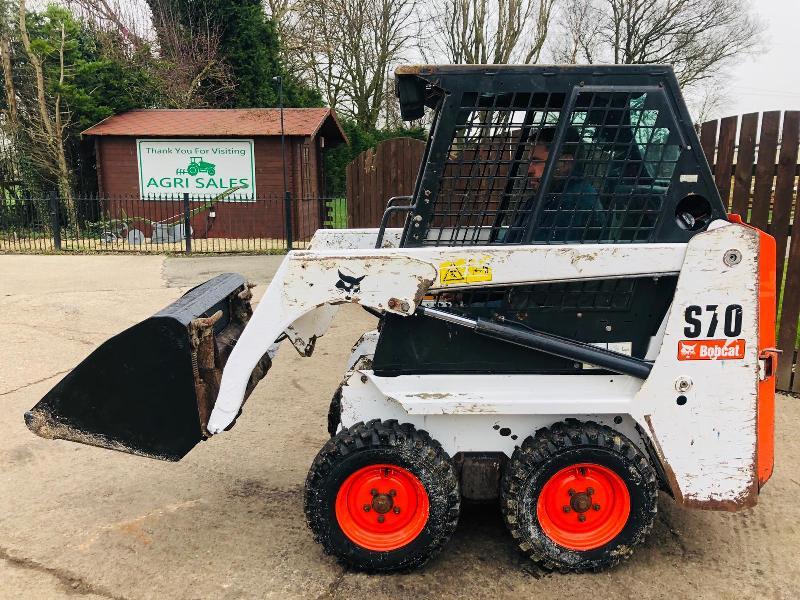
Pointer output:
382, 496
579, 496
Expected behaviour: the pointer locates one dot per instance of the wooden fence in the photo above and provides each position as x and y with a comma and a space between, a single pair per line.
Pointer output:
754, 160
375, 175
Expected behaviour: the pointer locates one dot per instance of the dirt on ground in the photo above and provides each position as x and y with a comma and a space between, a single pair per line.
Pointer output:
227, 521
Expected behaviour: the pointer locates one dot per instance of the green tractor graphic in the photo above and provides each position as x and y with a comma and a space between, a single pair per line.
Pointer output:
197, 165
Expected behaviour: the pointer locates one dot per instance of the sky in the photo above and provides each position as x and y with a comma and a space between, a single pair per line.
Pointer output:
770, 79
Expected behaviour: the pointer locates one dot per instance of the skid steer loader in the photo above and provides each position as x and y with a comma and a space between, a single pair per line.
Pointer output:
569, 321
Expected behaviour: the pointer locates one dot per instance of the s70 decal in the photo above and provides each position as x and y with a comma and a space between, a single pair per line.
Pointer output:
707, 322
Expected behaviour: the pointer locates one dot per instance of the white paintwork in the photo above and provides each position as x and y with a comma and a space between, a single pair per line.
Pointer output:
365, 346
709, 443
306, 329
307, 279
352, 239
476, 431
509, 394
707, 446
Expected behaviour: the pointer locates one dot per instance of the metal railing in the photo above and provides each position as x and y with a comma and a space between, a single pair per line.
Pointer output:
177, 223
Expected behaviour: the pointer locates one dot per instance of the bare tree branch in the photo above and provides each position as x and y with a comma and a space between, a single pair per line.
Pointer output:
487, 31
49, 127
350, 46
699, 38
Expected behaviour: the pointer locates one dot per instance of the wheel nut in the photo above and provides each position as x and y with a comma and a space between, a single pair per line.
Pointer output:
367, 508
571, 492
380, 518
581, 517
566, 509
589, 491
374, 492
396, 510
596, 507
392, 493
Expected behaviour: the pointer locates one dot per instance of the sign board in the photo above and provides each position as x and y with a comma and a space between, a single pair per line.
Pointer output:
203, 167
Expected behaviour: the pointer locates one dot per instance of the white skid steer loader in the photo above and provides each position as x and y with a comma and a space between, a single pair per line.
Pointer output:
569, 321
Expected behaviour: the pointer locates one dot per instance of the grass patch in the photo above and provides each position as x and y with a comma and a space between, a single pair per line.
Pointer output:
336, 213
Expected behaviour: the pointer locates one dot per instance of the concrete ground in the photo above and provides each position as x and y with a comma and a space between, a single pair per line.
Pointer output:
227, 521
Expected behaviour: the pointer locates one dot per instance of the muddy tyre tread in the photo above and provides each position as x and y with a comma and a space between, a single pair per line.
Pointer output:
548, 442
422, 453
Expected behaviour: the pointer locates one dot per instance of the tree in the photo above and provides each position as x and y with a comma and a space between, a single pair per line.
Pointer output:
699, 38
489, 31
59, 80
231, 48
349, 48
47, 122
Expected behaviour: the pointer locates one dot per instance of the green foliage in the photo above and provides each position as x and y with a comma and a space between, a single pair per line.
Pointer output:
95, 85
336, 214
361, 138
104, 76
249, 45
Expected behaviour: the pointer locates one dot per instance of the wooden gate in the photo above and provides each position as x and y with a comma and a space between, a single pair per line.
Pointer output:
375, 175
754, 159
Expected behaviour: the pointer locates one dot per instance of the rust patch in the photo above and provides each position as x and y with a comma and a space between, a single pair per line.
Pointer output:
668, 472
747, 500
583, 257
422, 288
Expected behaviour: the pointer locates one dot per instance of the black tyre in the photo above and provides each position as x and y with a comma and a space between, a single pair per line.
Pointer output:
335, 412
579, 496
382, 496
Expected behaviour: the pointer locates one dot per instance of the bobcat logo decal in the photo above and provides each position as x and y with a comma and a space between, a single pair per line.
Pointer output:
349, 285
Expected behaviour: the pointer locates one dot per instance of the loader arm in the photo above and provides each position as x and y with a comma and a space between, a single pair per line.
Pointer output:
396, 279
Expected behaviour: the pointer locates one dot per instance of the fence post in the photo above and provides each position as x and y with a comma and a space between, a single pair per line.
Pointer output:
287, 212
187, 230
55, 219
322, 215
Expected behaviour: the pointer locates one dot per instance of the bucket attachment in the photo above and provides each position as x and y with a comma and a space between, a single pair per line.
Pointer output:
150, 389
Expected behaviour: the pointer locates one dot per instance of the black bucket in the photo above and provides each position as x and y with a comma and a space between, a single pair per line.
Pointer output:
150, 390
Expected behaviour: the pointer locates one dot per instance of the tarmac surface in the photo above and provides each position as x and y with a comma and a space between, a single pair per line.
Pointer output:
227, 521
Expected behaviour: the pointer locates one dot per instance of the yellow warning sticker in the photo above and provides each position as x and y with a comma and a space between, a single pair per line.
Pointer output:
464, 271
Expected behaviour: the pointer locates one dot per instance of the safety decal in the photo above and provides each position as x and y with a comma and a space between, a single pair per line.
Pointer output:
711, 349
464, 271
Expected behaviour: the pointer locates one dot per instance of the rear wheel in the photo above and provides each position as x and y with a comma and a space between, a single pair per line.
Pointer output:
579, 496
382, 496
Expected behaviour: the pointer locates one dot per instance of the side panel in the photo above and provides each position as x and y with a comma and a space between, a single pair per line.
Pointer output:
699, 403
475, 431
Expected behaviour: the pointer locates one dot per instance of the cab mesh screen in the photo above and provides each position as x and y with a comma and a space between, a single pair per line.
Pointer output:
607, 183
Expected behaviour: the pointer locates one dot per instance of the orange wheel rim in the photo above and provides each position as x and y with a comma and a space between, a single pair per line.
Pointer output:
382, 507
583, 506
